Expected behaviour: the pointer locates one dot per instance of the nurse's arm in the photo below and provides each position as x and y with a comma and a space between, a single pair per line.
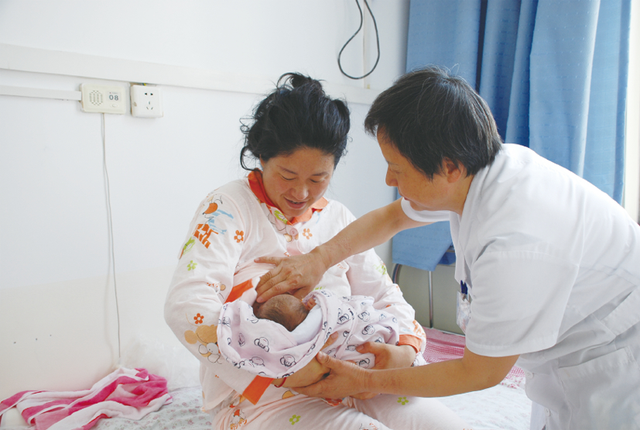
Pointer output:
470, 373
305, 271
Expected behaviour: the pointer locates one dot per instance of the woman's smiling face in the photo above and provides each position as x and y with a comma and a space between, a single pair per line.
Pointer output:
296, 181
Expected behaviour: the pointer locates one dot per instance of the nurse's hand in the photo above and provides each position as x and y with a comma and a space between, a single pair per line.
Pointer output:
387, 357
345, 379
299, 274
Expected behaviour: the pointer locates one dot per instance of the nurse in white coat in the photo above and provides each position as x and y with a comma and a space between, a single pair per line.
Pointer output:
550, 264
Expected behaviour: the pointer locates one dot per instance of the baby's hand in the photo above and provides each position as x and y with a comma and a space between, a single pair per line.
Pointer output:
310, 304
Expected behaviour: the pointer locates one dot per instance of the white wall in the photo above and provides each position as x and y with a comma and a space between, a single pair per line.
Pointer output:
58, 321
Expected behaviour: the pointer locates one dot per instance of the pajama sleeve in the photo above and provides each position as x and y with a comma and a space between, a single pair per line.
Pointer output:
202, 281
368, 276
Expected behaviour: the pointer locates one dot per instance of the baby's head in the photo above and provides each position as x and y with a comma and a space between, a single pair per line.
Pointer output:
284, 309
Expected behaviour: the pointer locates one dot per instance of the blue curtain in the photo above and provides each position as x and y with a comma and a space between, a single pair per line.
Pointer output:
554, 73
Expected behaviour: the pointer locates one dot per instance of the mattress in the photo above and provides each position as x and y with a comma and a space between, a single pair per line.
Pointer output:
504, 406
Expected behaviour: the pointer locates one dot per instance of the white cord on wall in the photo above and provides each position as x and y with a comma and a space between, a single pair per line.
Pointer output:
112, 258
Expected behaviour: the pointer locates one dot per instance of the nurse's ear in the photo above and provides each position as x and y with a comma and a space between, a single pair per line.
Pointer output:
452, 170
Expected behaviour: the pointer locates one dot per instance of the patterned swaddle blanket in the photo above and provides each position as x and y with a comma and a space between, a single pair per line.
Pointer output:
268, 349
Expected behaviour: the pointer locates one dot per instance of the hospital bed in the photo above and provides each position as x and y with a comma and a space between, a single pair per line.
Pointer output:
504, 406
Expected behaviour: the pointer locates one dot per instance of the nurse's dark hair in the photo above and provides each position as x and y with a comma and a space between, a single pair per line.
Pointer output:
430, 115
297, 114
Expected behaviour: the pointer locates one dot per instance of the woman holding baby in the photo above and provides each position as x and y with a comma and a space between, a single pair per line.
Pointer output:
297, 135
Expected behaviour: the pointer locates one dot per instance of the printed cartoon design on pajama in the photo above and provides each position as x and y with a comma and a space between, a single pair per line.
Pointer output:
237, 421
207, 338
212, 212
205, 335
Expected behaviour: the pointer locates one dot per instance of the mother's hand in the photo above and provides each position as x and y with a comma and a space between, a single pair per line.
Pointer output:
310, 373
299, 273
389, 356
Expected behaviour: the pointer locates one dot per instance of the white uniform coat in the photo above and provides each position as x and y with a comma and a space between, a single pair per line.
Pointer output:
553, 270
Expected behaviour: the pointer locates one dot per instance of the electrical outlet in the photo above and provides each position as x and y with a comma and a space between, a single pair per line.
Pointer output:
103, 98
146, 101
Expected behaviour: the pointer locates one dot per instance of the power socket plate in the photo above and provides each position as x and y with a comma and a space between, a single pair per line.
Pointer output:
103, 98
146, 101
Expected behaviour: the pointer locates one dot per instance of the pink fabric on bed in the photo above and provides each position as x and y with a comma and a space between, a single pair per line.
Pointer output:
127, 393
445, 346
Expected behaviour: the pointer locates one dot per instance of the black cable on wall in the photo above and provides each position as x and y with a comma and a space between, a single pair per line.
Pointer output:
375, 25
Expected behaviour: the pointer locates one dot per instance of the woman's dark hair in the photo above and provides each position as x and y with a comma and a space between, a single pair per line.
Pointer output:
429, 115
296, 114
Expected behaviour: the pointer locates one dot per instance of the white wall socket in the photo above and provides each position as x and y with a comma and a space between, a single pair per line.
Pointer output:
146, 101
103, 98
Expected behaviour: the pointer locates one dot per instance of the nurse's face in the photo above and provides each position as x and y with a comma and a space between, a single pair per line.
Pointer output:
296, 181
423, 193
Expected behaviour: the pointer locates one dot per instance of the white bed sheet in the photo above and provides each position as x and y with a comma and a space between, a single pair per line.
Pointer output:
503, 407
499, 407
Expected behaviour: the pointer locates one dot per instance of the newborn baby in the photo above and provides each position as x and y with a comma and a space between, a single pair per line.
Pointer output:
284, 309
285, 333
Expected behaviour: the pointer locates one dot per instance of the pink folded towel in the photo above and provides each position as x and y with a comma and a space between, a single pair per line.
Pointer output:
126, 393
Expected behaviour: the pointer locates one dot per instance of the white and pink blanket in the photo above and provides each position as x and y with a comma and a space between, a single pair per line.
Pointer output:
268, 349
126, 393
